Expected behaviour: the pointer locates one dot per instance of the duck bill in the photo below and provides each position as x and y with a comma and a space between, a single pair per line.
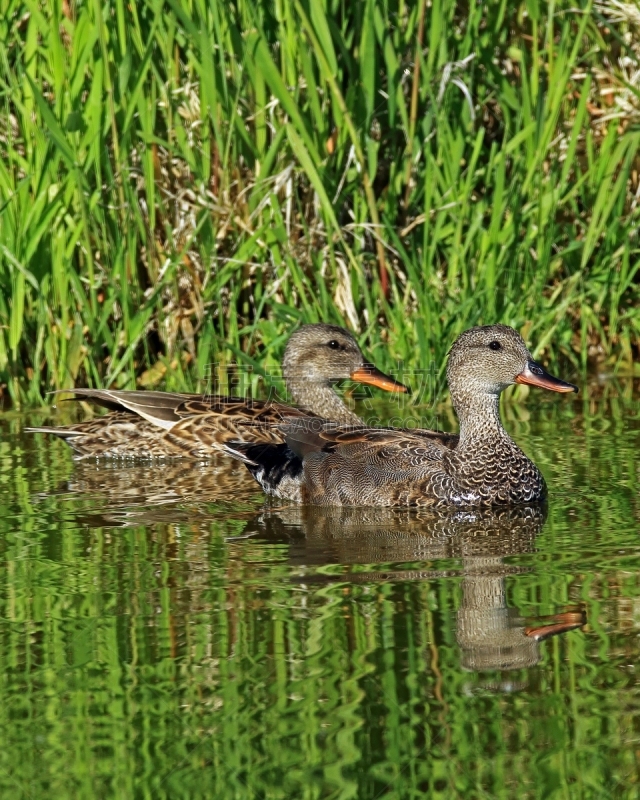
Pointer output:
372, 376
534, 375
556, 624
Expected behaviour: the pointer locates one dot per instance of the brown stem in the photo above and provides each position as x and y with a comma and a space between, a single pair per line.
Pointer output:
414, 101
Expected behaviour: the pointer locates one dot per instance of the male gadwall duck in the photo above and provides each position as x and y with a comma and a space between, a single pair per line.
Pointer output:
322, 463
165, 425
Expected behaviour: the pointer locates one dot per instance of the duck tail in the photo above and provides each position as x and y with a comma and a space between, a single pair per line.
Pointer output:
71, 435
274, 466
240, 451
62, 433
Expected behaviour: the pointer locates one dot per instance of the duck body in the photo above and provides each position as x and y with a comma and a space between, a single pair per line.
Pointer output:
328, 464
385, 467
163, 425
193, 427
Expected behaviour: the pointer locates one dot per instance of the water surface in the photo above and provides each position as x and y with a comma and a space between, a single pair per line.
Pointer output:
165, 634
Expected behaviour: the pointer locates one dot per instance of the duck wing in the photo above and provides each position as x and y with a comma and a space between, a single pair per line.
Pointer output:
307, 436
167, 409
214, 421
158, 408
376, 468
170, 425
323, 463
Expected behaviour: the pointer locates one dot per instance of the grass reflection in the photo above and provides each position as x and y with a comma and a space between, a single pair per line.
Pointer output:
164, 647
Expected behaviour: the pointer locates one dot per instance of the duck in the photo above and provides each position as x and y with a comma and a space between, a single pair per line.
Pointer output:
328, 464
152, 425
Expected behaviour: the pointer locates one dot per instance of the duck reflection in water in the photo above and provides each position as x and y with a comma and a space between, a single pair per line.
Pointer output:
491, 635
142, 493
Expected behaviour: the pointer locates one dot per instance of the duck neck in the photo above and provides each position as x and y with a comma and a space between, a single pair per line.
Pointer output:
480, 423
487, 466
321, 399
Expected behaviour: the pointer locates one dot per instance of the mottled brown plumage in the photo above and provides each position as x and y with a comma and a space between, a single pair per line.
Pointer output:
360, 466
162, 425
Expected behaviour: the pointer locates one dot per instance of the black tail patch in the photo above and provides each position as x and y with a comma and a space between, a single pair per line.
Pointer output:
268, 463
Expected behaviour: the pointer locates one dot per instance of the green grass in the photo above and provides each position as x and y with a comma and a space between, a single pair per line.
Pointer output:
183, 182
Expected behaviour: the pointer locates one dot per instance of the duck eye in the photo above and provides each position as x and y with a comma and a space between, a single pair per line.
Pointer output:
495, 345
334, 345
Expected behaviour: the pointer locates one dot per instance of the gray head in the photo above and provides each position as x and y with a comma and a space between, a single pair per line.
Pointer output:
487, 359
324, 354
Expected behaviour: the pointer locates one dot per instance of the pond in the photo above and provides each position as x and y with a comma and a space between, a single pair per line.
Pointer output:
164, 633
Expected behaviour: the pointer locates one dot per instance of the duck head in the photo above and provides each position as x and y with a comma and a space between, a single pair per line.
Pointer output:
324, 354
485, 360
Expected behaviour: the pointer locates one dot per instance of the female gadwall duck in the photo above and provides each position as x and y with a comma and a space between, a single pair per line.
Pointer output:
326, 464
165, 425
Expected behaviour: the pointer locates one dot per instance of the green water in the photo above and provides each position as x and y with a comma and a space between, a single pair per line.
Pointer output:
164, 635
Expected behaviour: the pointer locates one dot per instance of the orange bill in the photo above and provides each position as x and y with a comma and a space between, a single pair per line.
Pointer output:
371, 375
557, 623
534, 375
